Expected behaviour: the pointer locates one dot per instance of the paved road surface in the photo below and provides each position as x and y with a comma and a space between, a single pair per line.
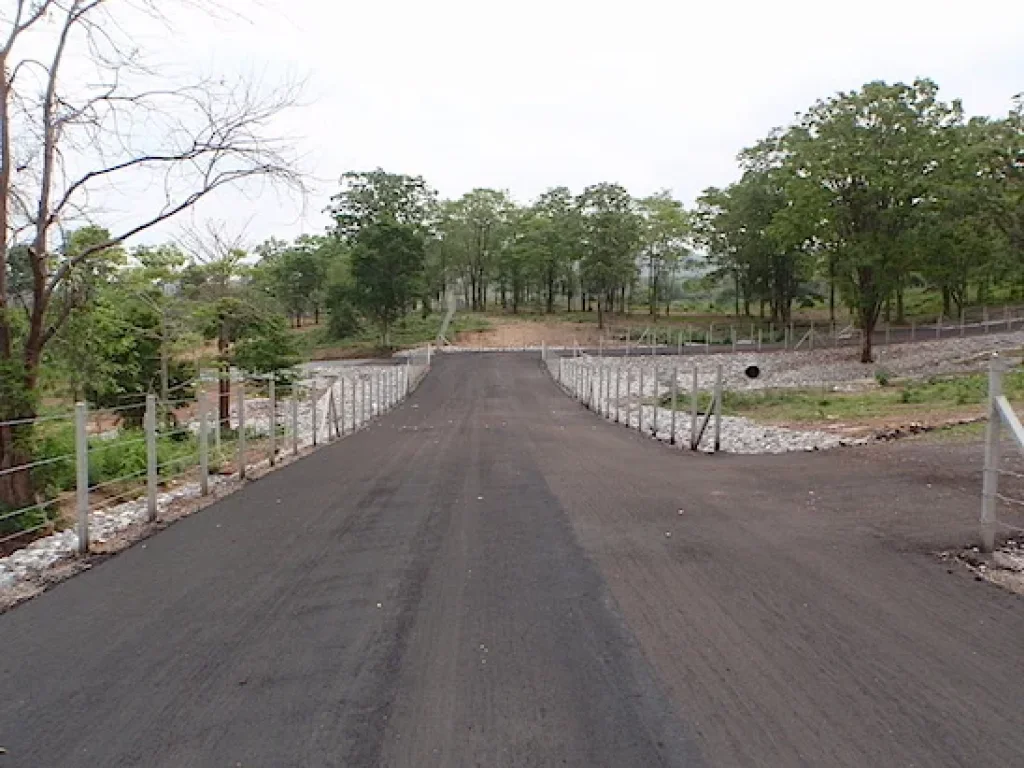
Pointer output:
483, 579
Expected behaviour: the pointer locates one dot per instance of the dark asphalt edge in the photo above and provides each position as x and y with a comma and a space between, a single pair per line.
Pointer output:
669, 730
139, 532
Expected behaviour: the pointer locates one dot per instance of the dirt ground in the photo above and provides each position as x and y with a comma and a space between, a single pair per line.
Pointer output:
530, 333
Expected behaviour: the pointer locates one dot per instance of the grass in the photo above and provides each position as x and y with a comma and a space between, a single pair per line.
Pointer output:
117, 463
812, 405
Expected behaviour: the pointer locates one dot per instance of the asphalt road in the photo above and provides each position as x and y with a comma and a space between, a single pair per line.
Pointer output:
484, 579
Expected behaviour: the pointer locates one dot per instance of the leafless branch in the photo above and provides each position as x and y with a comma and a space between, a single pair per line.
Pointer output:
64, 144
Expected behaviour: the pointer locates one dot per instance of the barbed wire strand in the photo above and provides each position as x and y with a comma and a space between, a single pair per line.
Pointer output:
36, 464
26, 510
1010, 500
26, 532
37, 419
116, 480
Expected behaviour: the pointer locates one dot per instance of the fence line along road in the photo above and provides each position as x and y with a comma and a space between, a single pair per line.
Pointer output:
1000, 414
592, 385
748, 336
119, 458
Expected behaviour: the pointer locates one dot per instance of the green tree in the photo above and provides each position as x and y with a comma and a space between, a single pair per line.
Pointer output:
556, 238
865, 164
386, 269
294, 274
611, 232
664, 231
370, 197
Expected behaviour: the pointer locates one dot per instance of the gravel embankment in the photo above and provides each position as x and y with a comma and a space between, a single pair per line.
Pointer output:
738, 435
355, 404
833, 369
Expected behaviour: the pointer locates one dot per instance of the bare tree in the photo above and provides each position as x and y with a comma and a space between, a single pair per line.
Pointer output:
220, 253
67, 142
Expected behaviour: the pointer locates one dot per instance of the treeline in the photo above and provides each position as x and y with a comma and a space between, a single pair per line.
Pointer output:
138, 319
395, 244
869, 194
874, 190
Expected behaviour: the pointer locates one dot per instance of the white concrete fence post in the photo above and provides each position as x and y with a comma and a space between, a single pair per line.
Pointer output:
272, 394
312, 407
993, 457
295, 421
693, 411
629, 398
654, 420
151, 468
618, 392
675, 405
342, 404
718, 409
82, 475
640, 403
242, 447
602, 392
204, 451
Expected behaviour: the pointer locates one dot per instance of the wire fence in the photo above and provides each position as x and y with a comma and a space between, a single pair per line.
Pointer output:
669, 403
759, 334
97, 470
1002, 495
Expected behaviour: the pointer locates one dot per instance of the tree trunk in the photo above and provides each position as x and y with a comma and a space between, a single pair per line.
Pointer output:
736, 293
652, 287
868, 327
600, 313
947, 309
901, 315
224, 384
16, 489
831, 292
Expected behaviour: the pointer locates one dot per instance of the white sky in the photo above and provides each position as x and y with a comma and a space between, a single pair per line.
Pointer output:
531, 94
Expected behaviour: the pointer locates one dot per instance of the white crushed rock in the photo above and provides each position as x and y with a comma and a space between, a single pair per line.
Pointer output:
835, 368
1005, 566
104, 524
738, 435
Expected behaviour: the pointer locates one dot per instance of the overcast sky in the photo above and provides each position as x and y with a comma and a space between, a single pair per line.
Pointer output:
531, 94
